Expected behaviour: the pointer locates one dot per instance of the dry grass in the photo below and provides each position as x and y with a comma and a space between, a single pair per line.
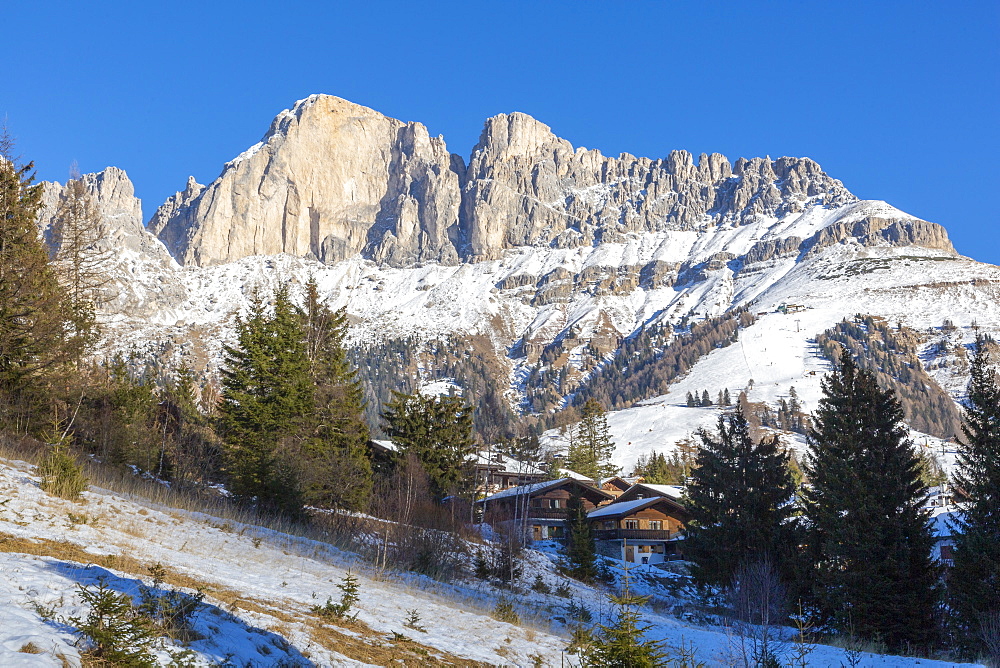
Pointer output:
368, 645
30, 648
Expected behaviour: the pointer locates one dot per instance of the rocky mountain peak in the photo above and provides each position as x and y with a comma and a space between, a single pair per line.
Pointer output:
332, 179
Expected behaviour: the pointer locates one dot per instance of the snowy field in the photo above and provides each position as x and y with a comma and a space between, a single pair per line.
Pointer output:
260, 584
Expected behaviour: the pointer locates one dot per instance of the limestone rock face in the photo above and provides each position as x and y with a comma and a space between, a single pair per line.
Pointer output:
525, 186
119, 209
330, 179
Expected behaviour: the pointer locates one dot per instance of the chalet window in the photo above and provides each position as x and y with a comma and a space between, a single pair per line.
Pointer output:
631, 524
609, 524
656, 525
644, 548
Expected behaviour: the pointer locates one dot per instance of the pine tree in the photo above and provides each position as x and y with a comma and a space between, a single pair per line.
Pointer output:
36, 337
267, 398
581, 550
691, 403
591, 446
974, 582
726, 399
705, 401
870, 540
335, 468
739, 502
438, 430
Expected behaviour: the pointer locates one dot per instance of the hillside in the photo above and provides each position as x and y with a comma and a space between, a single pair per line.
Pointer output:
260, 584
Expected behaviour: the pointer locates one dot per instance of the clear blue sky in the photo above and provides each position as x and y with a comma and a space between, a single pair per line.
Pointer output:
899, 100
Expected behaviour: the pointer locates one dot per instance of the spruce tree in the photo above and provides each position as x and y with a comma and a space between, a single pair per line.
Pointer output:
581, 550
705, 401
974, 582
691, 403
591, 446
438, 430
869, 537
335, 468
739, 500
267, 396
37, 337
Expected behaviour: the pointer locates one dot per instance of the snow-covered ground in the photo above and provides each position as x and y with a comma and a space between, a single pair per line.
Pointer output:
260, 584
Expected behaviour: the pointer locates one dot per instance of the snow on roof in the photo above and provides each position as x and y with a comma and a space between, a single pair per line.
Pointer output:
622, 507
388, 445
525, 489
507, 464
574, 475
673, 491
940, 523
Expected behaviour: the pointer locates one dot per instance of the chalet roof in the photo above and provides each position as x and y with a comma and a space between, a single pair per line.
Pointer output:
540, 487
673, 491
506, 464
622, 508
619, 481
566, 473
383, 445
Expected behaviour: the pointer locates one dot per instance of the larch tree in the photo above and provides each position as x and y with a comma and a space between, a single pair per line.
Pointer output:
79, 255
869, 535
739, 498
974, 581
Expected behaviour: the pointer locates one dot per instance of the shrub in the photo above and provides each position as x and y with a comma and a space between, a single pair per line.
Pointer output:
170, 611
505, 612
61, 474
348, 597
122, 634
540, 586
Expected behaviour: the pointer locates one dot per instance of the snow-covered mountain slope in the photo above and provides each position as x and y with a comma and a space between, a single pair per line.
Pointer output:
919, 288
260, 585
555, 254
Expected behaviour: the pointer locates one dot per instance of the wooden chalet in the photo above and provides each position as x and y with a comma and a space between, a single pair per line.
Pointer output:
495, 471
543, 506
642, 530
618, 485
642, 490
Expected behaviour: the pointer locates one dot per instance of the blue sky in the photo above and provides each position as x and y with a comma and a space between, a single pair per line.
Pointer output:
899, 100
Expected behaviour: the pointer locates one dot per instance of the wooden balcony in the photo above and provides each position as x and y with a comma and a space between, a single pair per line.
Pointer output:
548, 513
634, 534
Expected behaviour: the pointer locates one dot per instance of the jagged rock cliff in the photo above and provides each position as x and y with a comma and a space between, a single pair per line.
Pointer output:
330, 179
127, 249
119, 212
525, 186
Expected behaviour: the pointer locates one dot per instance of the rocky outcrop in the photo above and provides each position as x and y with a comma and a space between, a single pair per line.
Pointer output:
877, 231
330, 179
526, 186
119, 212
